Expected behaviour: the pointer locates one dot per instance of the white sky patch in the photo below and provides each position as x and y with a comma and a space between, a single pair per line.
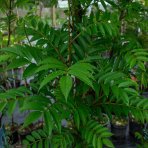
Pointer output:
63, 4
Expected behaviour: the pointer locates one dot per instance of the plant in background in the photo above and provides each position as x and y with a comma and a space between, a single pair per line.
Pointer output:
80, 71
143, 139
9, 77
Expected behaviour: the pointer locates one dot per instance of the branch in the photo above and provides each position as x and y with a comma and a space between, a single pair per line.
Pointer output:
9, 22
26, 34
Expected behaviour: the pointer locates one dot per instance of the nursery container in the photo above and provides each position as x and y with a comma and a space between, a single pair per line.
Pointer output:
119, 127
134, 127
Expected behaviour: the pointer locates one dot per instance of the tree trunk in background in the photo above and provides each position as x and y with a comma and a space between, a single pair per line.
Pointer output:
53, 16
40, 9
9, 22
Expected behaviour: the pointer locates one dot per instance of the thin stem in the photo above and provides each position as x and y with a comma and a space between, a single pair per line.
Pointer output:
9, 22
75, 37
69, 33
26, 35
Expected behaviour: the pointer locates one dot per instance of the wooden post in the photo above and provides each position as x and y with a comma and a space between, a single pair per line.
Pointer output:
53, 16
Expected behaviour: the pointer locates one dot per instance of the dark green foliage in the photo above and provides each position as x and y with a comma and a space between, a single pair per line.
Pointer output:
80, 71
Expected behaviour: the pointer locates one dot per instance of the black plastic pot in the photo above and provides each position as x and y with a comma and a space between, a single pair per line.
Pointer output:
119, 128
145, 94
135, 127
119, 132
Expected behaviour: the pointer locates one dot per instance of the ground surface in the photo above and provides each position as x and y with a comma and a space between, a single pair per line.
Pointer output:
126, 143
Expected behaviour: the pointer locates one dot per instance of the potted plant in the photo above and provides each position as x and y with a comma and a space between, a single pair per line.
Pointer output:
119, 126
69, 65
135, 126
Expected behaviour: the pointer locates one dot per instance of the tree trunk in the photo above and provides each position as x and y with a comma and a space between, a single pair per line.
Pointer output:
53, 16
